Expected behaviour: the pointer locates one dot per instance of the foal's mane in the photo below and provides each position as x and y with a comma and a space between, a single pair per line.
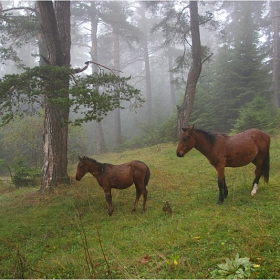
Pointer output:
99, 164
209, 135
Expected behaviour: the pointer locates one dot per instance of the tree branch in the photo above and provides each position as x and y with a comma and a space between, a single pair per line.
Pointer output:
205, 59
102, 66
19, 8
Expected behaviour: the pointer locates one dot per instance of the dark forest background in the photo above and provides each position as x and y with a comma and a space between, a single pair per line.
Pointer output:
150, 43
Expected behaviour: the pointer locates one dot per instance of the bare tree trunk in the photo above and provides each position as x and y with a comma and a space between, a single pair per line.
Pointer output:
171, 78
147, 63
185, 109
100, 142
275, 70
117, 112
56, 30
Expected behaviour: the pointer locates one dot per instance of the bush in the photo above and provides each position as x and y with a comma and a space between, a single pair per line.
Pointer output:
256, 114
23, 175
3, 167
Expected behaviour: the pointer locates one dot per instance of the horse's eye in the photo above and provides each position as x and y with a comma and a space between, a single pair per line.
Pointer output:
186, 137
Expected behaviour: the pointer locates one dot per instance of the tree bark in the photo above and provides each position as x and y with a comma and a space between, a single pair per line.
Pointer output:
117, 112
100, 142
171, 79
56, 30
275, 70
147, 64
185, 109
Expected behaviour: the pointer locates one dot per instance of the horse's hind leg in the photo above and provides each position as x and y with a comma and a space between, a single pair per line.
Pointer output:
258, 173
223, 191
145, 195
108, 197
139, 192
138, 195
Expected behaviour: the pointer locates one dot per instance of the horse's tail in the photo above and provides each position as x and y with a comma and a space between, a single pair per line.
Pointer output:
147, 176
148, 173
265, 167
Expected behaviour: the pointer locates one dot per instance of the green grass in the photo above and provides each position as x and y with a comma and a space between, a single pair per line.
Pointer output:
68, 233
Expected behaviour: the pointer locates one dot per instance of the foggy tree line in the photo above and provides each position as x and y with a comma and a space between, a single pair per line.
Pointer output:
150, 42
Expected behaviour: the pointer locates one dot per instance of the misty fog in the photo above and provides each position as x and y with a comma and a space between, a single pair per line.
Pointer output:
155, 51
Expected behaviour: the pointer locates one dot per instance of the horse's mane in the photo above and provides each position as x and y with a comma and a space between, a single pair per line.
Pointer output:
210, 136
99, 164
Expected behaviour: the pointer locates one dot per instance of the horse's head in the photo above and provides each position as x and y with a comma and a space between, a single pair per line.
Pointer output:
82, 169
186, 141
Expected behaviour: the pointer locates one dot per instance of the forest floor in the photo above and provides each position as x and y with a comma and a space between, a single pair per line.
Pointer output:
68, 233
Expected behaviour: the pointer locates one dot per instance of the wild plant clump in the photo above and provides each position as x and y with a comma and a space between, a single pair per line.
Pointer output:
239, 268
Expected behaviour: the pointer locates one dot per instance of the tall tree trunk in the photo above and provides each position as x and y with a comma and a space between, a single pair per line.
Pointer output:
185, 109
276, 47
56, 30
117, 112
147, 63
100, 142
171, 78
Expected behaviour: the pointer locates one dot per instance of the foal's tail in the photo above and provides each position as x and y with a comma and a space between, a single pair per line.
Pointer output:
147, 176
265, 167
148, 173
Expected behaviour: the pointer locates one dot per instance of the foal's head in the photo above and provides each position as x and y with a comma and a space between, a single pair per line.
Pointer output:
186, 141
88, 165
82, 168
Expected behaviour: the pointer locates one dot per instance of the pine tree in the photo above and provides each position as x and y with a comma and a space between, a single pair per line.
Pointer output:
239, 75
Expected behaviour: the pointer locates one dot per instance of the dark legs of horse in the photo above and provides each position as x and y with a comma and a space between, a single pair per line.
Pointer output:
139, 192
145, 194
223, 191
108, 197
138, 195
258, 173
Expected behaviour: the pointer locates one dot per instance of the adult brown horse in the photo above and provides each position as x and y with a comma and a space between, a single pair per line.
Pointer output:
229, 151
121, 176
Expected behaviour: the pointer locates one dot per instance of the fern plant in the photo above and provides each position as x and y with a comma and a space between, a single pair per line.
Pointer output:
238, 268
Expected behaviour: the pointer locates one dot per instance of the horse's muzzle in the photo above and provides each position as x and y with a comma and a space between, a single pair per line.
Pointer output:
179, 154
78, 179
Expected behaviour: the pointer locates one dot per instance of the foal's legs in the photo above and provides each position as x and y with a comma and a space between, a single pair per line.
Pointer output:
139, 192
138, 195
223, 191
108, 197
145, 194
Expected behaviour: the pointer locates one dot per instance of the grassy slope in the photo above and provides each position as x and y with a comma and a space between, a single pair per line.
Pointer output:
61, 235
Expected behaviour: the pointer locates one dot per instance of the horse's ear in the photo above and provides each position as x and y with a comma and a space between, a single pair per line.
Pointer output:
191, 127
81, 158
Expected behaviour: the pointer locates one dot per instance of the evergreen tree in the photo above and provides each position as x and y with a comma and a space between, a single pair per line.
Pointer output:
239, 76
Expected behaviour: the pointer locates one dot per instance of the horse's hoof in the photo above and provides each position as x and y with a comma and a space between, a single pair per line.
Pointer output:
110, 212
133, 209
219, 202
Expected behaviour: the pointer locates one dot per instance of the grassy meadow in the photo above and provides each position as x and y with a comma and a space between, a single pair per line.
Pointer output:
68, 233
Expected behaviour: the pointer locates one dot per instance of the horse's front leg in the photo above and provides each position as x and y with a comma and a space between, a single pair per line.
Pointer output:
108, 197
223, 191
